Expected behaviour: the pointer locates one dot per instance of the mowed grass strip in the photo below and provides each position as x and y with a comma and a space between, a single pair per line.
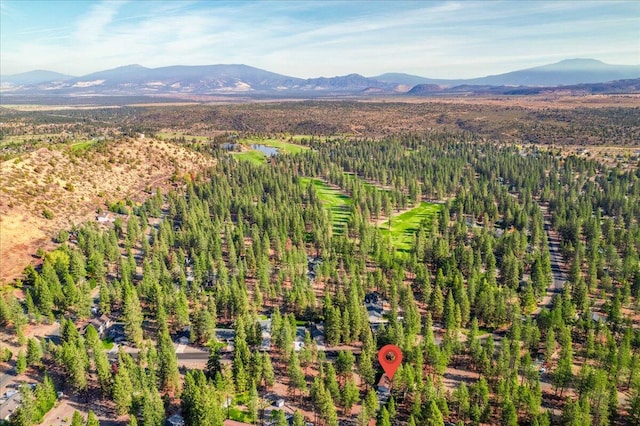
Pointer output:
254, 156
81, 146
334, 201
406, 224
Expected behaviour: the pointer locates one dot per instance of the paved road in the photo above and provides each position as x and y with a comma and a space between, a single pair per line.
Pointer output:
5, 378
189, 353
195, 354
558, 276
9, 406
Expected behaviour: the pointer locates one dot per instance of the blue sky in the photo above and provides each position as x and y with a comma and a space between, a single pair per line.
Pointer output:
444, 39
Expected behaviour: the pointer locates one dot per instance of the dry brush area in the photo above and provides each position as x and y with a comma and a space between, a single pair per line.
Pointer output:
50, 189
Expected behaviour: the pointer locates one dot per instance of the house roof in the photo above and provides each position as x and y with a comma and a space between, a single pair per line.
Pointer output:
317, 329
301, 332
384, 382
265, 325
225, 333
105, 216
176, 419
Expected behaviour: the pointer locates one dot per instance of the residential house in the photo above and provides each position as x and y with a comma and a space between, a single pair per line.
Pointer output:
317, 334
106, 217
374, 304
101, 325
312, 267
265, 326
383, 389
175, 420
117, 333
226, 335
597, 317
298, 342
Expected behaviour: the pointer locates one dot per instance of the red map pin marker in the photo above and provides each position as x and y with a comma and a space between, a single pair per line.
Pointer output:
390, 357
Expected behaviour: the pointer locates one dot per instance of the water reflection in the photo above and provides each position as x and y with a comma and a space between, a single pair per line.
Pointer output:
269, 151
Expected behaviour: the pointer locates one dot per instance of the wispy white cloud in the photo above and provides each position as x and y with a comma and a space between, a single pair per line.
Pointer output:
5, 9
92, 25
309, 39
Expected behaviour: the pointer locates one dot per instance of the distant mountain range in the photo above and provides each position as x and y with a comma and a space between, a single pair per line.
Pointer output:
611, 87
33, 77
136, 80
567, 72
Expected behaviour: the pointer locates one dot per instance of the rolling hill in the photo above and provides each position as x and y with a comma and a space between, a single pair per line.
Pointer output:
234, 79
567, 72
74, 186
33, 77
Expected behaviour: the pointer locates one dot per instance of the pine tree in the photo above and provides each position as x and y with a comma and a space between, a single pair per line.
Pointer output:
122, 390
333, 326
391, 407
74, 357
34, 352
298, 418
203, 327
21, 362
350, 395
432, 414
461, 397
168, 363
213, 363
268, 374
92, 420
252, 404
241, 357
45, 396
279, 418
100, 359
181, 309
104, 300
76, 419
296, 376
509, 415
634, 406
383, 418
365, 368
371, 401
331, 382
328, 409
132, 316
103, 368
344, 364
563, 374
152, 408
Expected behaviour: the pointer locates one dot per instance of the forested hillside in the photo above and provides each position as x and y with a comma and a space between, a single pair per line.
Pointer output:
513, 295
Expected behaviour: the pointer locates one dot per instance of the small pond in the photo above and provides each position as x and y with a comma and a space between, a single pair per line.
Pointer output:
269, 151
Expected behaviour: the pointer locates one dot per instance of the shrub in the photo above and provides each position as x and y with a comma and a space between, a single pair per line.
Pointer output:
5, 355
63, 236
